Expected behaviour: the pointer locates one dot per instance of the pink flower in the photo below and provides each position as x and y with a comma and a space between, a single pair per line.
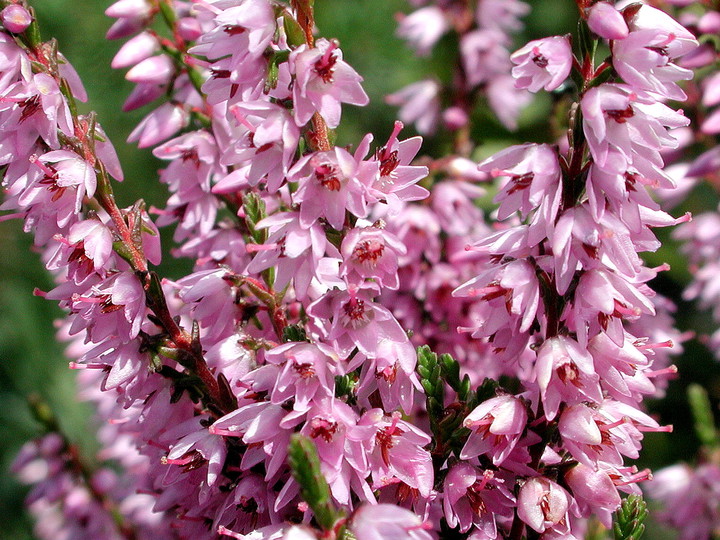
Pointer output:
266, 137
472, 497
423, 28
357, 321
643, 60
390, 176
330, 183
135, 50
594, 491
543, 505
306, 373
506, 100
371, 253
15, 18
606, 21
533, 179
397, 452
419, 104
323, 80
565, 373
383, 521
496, 425
95, 240
623, 128
543, 63
292, 248
484, 55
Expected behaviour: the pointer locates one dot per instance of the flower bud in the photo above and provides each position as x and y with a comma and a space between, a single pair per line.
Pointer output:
607, 22
15, 18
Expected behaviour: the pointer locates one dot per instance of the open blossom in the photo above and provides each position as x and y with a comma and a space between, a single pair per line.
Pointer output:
473, 497
644, 58
388, 521
623, 128
565, 373
330, 183
496, 425
371, 252
323, 80
316, 273
419, 105
423, 28
543, 63
544, 505
266, 137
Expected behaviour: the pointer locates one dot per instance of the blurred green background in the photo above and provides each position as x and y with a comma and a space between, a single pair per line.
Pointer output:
32, 362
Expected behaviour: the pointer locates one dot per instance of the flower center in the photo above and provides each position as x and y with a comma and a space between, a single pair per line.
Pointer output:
328, 177
368, 252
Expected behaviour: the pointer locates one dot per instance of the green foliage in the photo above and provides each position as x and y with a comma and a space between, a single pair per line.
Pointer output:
314, 490
446, 421
629, 518
703, 416
293, 333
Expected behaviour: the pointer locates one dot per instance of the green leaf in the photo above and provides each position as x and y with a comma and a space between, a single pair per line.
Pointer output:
305, 466
629, 518
254, 208
703, 416
293, 30
294, 332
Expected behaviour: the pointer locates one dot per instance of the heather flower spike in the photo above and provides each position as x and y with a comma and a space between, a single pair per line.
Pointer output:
373, 339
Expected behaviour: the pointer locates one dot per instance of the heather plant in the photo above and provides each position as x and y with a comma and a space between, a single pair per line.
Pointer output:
364, 347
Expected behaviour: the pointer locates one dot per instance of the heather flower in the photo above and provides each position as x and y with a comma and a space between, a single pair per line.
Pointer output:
533, 178
378, 522
397, 452
38, 109
357, 321
484, 55
543, 63
330, 183
394, 180
423, 28
342, 449
565, 373
690, 498
606, 21
135, 50
472, 497
373, 253
131, 14
544, 505
419, 105
506, 100
266, 137
159, 125
323, 80
94, 239
624, 128
116, 306
15, 18
294, 250
191, 444
594, 490
502, 14
497, 425
306, 373
643, 61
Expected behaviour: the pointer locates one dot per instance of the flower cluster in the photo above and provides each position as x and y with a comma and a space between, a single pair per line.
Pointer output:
484, 32
319, 268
